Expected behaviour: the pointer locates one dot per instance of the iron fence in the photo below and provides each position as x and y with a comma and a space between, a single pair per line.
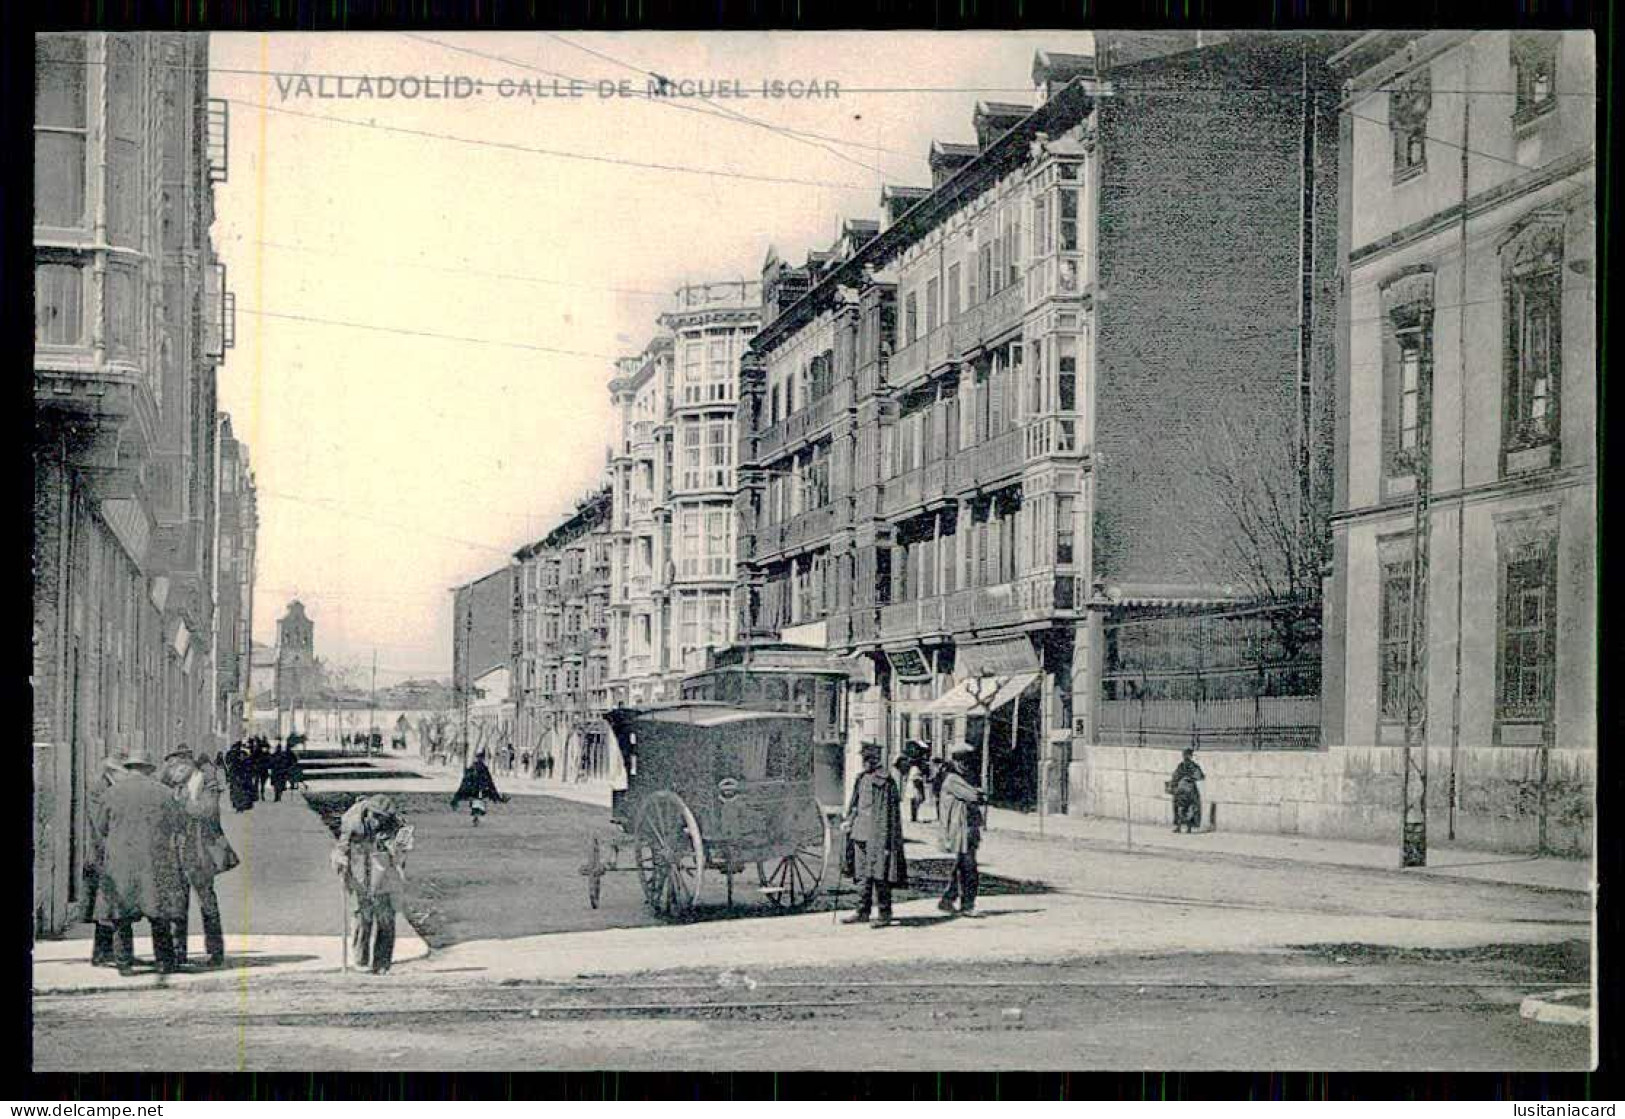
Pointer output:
1238, 678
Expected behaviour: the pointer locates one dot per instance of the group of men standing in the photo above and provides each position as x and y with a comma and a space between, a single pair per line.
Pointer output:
252, 764
874, 858
156, 840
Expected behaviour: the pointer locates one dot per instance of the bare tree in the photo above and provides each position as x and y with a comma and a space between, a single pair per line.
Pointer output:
1266, 536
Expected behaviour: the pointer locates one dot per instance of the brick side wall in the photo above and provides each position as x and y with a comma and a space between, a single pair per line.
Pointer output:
1198, 302
483, 642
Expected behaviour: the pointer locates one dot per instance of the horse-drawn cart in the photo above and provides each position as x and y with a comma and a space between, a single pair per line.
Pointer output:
713, 790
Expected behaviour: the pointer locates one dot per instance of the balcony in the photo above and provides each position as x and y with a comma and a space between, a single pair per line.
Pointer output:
640, 508
919, 618
919, 486
642, 432
990, 462
1037, 597
804, 424
873, 376
941, 346
1001, 313
800, 531
908, 363
1052, 435
638, 586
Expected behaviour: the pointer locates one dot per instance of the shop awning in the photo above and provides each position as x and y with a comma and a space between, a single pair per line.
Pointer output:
981, 694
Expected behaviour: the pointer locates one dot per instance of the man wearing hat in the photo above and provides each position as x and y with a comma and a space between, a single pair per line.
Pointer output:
961, 813
371, 857
874, 849
102, 953
204, 849
141, 873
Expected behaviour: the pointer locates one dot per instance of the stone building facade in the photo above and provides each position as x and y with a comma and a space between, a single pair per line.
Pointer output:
672, 473
234, 593
1466, 436
561, 626
131, 319
958, 463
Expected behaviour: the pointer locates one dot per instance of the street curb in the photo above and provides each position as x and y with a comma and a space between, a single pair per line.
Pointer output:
1555, 1009
1198, 855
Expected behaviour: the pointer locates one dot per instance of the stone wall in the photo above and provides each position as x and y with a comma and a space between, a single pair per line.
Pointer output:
1355, 792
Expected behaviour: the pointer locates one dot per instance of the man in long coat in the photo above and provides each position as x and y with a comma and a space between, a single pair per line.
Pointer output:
371, 858
961, 813
101, 951
204, 849
874, 851
141, 876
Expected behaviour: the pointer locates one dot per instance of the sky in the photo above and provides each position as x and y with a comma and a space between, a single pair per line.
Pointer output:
393, 462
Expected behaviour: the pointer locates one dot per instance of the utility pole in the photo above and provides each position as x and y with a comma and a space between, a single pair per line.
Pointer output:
372, 702
1414, 837
467, 683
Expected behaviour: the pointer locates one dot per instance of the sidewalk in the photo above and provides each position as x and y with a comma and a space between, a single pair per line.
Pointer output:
1569, 875
281, 908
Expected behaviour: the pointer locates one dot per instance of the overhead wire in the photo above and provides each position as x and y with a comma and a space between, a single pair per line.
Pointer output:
407, 332
720, 108
556, 153
704, 106
396, 262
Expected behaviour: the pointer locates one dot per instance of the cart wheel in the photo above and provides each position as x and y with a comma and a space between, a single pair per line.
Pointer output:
671, 854
794, 880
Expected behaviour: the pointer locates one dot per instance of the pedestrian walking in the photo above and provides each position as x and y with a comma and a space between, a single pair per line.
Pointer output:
962, 815
1187, 795
939, 773
102, 953
260, 760
281, 768
141, 875
916, 788
240, 776
205, 853
477, 786
370, 857
873, 858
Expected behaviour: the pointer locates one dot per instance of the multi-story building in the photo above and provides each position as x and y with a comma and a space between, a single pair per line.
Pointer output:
482, 656
993, 409
1462, 608
234, 594
131, 319
561, 639
640, 465
673, 477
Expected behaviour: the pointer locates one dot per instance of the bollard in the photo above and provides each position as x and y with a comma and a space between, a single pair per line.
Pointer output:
1213, 815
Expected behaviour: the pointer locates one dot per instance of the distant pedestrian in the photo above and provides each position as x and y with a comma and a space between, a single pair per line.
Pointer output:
961, 817
102, 953
916, 789
874, 849
240, 776
1186, 793
260, 763
370, 856
141, 876
281, 766
939, 773
477, 786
